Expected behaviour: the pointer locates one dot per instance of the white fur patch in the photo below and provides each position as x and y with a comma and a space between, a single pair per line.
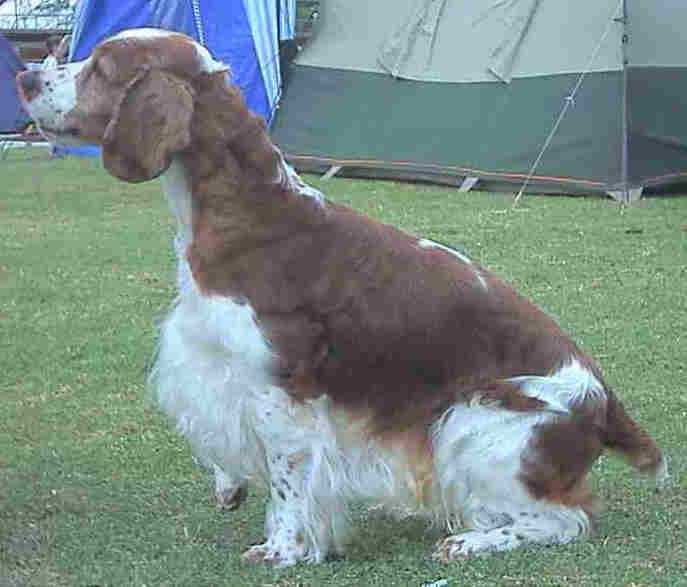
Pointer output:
144, 33
553, 525
176, 187
211, 376
210, 65
571, 385
430, 244
55, 100
477, 459
288, 175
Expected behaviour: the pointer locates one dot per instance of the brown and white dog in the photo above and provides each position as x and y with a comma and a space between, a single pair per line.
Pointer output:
329, 356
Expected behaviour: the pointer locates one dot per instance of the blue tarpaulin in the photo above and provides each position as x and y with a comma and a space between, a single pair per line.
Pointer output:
223, 26
12, 116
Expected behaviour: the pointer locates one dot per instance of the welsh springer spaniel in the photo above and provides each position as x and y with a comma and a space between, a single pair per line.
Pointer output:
324, 354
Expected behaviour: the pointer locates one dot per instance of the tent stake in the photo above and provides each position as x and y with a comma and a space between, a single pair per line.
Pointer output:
626, 195
332, 171
468, 183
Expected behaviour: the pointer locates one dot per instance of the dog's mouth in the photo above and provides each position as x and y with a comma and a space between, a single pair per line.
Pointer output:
69, 135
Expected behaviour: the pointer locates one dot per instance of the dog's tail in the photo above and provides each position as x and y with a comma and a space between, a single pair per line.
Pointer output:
626, 437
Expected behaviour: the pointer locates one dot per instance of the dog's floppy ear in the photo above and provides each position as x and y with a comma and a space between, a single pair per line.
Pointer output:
151, 122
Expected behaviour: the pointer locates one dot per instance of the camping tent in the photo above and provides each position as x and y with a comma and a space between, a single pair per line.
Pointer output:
452, 90
244, 34
12, 117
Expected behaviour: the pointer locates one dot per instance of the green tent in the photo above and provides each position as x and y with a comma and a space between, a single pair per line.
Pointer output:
472, 90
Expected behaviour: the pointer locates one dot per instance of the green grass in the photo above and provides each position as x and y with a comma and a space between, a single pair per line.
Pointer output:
95, 487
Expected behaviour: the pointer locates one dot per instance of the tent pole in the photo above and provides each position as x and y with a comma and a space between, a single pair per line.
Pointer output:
626, 138
198, 21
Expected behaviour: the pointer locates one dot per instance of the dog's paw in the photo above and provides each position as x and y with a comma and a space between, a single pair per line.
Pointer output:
270, 555
475, 543
230, 498
449, 549
261, 553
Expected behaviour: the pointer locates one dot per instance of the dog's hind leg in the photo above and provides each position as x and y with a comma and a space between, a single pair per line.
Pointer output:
541, 523
505, 486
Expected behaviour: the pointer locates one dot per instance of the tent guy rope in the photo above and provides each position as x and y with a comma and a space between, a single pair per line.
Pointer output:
569, 100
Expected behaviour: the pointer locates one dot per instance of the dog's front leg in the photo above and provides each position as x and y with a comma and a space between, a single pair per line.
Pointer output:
230, 492
306, 517
285, 524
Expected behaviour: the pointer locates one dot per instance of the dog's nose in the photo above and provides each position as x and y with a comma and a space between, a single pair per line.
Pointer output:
29, 84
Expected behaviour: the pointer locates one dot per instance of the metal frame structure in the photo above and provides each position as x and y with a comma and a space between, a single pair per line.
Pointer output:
42, 15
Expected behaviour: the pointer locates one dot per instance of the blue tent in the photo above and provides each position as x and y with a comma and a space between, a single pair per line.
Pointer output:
12, 116
244, 34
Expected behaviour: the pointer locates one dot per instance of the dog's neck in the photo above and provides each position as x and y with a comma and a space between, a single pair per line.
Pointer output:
177, 190
231, 191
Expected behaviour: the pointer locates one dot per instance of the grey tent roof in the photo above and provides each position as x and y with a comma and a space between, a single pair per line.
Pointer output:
656, 33
439, 89
468, 41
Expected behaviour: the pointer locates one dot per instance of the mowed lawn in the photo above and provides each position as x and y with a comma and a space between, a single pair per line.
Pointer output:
97, 489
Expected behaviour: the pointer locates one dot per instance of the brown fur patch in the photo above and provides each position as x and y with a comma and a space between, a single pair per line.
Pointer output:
623, 434
150, 123
559, 457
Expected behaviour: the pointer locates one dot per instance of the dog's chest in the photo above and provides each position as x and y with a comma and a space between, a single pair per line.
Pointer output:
219, 328
222, 330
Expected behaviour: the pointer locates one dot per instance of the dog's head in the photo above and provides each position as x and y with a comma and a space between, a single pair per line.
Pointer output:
134, 96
